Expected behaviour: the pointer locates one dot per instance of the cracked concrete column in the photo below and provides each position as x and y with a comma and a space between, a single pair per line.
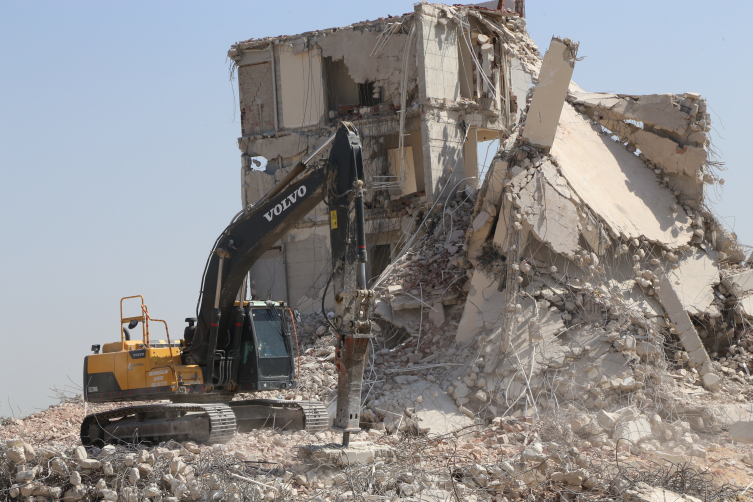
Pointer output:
550, 93
439, 79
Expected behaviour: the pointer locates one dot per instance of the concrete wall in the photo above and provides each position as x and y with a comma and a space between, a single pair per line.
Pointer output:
308, 264
442, 138
520, 82
438, 68
403, 168
256, 97
356, 48
268, 275
465, 66
301, 87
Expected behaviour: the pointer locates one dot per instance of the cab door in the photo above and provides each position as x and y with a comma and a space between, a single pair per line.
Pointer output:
272, 343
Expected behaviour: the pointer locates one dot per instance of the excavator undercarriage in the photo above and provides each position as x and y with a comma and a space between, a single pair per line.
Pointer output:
201, 423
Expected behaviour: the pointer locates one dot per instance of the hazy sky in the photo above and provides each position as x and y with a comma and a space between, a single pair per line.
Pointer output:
118, 157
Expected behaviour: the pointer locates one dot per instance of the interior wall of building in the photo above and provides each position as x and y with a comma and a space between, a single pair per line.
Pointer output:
301, 87
268, 275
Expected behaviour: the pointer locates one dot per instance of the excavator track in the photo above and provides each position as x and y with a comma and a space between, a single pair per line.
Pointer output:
201, 423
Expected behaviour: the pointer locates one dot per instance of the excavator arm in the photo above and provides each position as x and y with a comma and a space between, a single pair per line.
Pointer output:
339, 181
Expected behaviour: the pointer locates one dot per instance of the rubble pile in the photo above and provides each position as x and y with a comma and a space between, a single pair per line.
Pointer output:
507, 460
579, 326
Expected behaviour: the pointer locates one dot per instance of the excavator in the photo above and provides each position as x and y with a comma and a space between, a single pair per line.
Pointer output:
234, 345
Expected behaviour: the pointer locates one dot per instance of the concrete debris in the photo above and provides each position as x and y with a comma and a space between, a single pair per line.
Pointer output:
577, 309
643, 492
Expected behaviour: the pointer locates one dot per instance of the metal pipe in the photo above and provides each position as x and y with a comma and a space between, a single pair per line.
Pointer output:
362, 276
243, 291
219, 285
321, 147
274, 82
361, 236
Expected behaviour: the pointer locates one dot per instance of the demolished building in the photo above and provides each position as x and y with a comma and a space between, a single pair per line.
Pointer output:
422, 88
555, 330
584, 273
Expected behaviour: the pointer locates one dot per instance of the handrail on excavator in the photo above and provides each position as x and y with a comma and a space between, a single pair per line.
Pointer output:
142, 318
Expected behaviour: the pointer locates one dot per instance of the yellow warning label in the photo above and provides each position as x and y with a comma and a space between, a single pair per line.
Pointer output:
333, 219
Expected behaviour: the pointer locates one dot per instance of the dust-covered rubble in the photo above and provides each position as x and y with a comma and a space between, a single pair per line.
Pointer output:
578, 326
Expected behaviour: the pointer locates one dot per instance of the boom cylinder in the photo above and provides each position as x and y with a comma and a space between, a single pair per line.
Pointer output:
361, 236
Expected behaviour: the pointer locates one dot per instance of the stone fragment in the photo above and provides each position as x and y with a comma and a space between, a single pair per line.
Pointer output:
436, 314
110, 495
79, 453
607, 420
176, 466
45, 491
75, 478
16, 454
133, 475
87, 463
633, 430
642, 492
712, 382
24, 476
741, 431
58, 465
75, 493
461, 390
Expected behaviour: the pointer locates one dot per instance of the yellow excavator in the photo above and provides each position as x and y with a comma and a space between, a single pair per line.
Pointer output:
237, 346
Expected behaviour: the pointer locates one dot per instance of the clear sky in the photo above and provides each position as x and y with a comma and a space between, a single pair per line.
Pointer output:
118, 157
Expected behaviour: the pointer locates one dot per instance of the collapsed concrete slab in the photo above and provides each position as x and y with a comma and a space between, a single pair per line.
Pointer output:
668, 130
616, 184
694, 280
552, 218
672, 303
353, 454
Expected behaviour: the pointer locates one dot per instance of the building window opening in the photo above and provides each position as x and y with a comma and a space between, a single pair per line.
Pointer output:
368, 95
380, 258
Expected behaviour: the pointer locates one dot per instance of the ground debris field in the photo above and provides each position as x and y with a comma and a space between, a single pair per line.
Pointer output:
578, 325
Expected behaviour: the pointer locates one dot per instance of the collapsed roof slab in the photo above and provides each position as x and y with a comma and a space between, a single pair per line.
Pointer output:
616, 184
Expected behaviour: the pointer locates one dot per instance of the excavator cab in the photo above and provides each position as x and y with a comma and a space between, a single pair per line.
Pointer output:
268, 346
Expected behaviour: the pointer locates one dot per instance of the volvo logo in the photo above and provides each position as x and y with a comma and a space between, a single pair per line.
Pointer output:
285, 203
